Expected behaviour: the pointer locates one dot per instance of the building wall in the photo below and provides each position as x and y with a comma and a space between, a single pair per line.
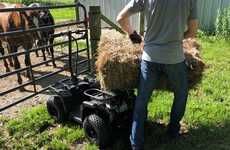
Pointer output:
207, 10
110, 8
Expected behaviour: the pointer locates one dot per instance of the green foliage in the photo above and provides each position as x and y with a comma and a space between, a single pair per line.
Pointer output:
223, 23
69, 134
65, 136
30, 122
201, 34
57, 144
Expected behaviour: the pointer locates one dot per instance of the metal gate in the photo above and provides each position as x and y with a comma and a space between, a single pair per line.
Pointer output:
77, 32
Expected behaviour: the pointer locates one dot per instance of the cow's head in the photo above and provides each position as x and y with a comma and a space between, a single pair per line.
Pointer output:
32, 18
31, 21
42, 17
34, 14
29, 17
45, 18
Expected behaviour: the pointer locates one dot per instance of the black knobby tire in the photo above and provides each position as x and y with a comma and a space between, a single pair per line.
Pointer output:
96, 130
56, 109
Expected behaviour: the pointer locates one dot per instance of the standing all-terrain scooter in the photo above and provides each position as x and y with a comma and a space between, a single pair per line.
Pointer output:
81, 100
96, 110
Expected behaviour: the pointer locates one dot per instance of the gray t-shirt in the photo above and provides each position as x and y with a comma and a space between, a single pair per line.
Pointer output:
166, 24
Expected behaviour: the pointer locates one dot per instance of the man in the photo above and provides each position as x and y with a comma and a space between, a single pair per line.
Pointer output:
167, 21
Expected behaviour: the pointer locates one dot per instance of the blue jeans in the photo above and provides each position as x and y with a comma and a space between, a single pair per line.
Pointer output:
150, 73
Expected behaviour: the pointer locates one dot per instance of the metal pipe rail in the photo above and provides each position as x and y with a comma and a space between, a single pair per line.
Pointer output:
18, 32
39, 48
83, 36
38, 8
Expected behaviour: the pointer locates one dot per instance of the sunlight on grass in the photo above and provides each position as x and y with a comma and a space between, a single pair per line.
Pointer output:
207, 116
208, 111
35, 129
65, 14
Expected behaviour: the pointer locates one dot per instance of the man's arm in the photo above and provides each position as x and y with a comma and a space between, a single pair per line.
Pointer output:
123, 19
192, 29
192, 21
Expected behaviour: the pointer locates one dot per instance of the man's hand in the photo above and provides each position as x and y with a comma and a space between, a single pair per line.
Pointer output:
192, 29
135, 38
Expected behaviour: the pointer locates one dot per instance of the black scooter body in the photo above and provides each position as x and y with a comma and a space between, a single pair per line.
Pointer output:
98, 111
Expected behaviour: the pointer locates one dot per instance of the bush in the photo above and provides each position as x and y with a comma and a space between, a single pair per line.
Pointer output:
223, 23
201, 34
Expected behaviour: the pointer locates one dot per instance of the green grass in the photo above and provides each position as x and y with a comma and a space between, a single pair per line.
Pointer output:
34, 129
207, 116
208, 111
63, 14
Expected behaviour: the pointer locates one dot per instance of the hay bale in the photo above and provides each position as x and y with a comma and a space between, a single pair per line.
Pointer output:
118, 64
193, 60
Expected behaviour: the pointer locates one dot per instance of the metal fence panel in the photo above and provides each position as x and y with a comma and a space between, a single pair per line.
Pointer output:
75, 31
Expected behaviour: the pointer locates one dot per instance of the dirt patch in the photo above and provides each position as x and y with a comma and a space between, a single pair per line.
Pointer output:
11, 81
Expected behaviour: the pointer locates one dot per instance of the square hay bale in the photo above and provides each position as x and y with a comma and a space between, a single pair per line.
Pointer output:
118, 62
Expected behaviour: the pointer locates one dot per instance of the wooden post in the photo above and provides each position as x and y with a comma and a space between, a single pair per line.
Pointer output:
142, 23
77, 11
95, 30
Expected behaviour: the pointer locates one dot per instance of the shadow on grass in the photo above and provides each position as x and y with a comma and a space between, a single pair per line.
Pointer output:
204, 137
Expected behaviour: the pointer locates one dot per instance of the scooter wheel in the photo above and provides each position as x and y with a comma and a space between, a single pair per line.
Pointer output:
55, 108
96, 130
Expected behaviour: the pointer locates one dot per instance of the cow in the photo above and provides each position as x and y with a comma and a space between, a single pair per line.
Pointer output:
13, 21
45, 36
2, 52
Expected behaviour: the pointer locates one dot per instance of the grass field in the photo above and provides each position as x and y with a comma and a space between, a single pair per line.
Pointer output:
63, 14
206, 124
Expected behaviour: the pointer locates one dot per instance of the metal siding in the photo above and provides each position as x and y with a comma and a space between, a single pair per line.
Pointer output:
110, 8
207, 10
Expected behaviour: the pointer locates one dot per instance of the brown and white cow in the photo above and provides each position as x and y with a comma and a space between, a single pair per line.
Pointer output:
13, 21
